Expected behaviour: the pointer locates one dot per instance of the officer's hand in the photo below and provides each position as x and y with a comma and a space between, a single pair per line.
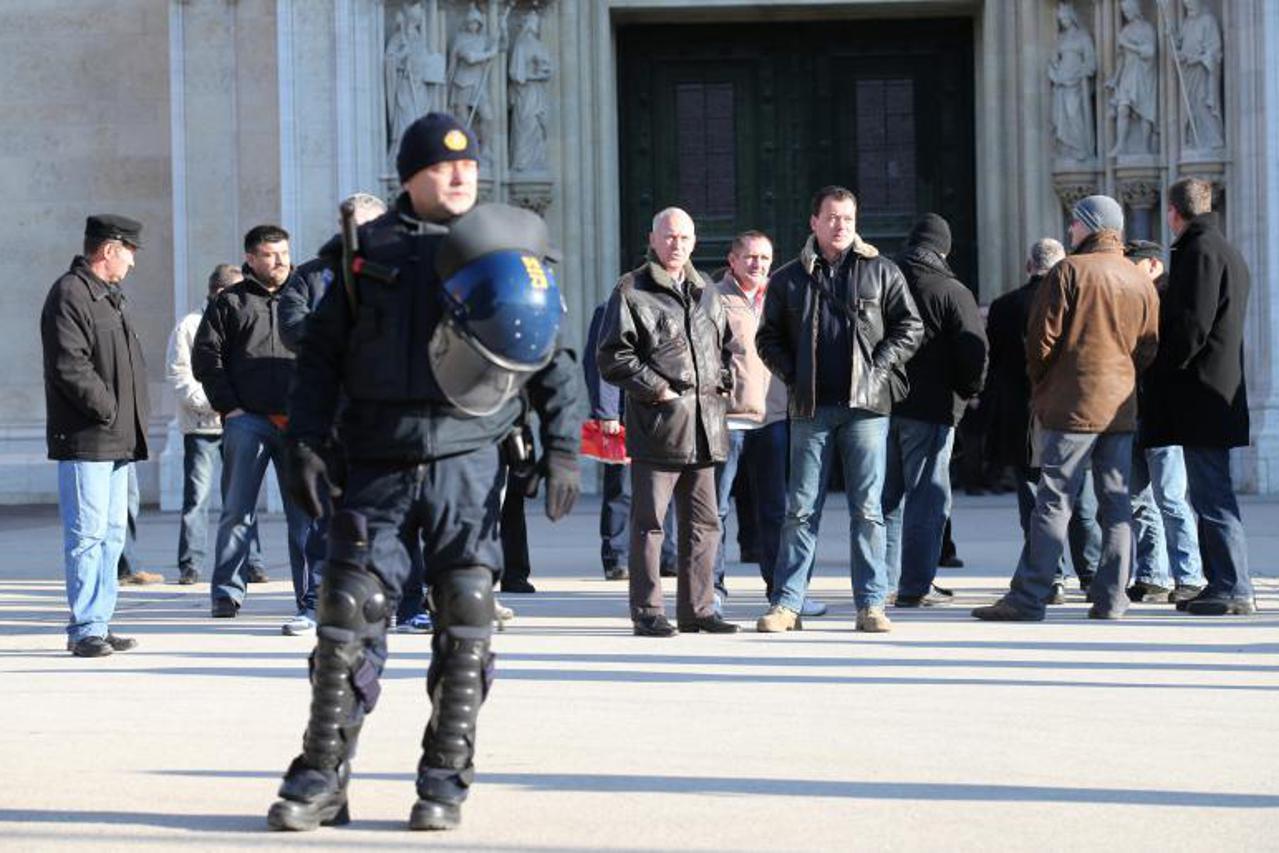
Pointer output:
563, 483
308, 479
610, 427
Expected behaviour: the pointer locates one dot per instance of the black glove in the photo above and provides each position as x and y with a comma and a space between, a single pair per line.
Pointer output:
563, 483
308, 479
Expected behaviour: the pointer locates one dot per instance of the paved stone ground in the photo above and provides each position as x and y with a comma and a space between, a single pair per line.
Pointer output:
1154, 733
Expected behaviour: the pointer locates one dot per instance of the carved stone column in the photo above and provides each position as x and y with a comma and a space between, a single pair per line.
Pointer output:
1139, 193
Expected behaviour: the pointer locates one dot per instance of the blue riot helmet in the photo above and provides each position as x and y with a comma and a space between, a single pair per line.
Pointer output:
501, 307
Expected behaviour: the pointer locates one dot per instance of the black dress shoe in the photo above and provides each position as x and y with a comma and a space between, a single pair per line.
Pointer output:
517, 585
188, 576
1145, 591
1183, 603
616, 573
668, 571
224, 608
1220, 605
708, 625
90, 647
121, 644
654, 626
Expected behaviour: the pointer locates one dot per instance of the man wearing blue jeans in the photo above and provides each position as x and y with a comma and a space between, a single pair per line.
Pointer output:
95, 391
756, 415
1196, 396
245, 368
843, 307
1163, 523
201, 439
945, 372
1093, 329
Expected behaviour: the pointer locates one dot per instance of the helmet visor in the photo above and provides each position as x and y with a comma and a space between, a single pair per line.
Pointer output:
469, 380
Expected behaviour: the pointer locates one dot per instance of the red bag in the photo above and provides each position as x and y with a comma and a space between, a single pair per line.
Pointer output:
604, 448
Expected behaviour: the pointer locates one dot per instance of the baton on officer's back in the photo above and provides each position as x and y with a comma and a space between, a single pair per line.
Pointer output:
350, 246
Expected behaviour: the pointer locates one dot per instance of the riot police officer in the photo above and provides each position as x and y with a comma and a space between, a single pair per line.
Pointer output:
448, 315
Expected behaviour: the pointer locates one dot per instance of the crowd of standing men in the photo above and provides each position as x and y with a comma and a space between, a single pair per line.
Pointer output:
1119, 392
398, 418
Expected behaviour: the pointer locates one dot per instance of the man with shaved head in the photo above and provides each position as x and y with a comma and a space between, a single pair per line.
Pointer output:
665, 342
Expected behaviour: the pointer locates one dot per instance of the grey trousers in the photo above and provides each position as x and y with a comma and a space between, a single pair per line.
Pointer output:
1065, 458
697, 514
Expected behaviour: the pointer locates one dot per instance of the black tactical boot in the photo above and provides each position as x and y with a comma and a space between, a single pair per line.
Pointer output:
458, 680
348, 657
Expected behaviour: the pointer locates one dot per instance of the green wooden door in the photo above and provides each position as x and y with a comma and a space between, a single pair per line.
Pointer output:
741, 123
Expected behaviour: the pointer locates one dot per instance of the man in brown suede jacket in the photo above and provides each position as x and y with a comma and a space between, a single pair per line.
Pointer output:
1093, 328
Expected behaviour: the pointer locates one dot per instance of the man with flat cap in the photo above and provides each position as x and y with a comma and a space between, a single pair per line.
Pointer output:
95, 390
1093, 329
449, 316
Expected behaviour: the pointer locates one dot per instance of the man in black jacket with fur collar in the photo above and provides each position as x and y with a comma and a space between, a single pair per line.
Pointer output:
839, 325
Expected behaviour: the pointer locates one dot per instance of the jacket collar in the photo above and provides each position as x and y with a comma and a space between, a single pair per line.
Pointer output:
252, 280
730, 284
809, 254
663, 278
1105, 241
409, 218
1200, 224
98, 289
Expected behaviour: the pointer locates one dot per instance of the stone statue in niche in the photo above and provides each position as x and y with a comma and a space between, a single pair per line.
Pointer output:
529, 72
1199, 58
470, 63
1135, 84
414, 76
1071, 72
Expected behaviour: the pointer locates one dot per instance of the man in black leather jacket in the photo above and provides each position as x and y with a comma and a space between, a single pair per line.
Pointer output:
839, 325
419, 468
666, 343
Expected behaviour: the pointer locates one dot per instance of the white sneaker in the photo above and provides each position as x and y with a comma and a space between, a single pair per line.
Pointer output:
298, 626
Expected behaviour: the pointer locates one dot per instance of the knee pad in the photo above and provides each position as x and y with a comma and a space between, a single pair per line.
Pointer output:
464, 598
352, 605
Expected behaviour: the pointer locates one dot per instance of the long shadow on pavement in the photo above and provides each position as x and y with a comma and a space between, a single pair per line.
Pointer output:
835, 789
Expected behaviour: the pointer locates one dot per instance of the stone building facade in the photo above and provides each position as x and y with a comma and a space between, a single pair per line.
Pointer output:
205, 117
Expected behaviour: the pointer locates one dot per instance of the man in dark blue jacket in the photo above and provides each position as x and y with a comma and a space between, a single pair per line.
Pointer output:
420, 466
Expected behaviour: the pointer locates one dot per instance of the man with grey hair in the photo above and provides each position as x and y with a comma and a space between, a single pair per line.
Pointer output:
1093, 328
1196, 395
666, 343
201, 440
1009, 385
